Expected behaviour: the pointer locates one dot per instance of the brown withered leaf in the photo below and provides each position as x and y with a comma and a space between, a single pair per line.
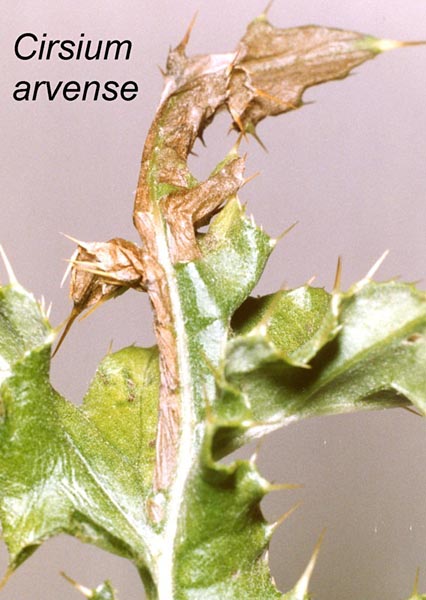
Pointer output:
275, 66
197, 205
116, 263
100, 271
266, 75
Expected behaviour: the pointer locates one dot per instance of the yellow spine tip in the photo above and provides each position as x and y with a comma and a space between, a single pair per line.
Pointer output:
376, 45
274, 526
385, 45
301, 589
81, 588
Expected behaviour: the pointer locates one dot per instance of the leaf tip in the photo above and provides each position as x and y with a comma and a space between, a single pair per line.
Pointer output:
6, 576
338, 276
265, 12
416, 583
286, 231
181, 47
376, 45
251, 129
70, 265
255, 455
80, 588
369, 276
301, 589
250, 178
66, 325
45, 309
274, 526
278, 487
9, 270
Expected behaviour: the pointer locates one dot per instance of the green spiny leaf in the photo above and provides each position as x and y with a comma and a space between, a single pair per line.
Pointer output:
233, 245
210, 292
23, 327
224, 536
58, 473
370, 356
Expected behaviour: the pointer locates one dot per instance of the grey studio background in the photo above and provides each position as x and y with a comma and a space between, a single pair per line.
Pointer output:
350, 168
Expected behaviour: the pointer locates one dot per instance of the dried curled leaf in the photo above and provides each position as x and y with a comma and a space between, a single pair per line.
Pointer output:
101, 271
104, 269
196, 206
266, 75
275, 66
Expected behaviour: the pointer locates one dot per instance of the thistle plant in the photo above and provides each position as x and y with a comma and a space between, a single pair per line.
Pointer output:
137, 469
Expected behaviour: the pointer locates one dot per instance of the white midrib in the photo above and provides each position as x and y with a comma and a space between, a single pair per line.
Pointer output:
164, 562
